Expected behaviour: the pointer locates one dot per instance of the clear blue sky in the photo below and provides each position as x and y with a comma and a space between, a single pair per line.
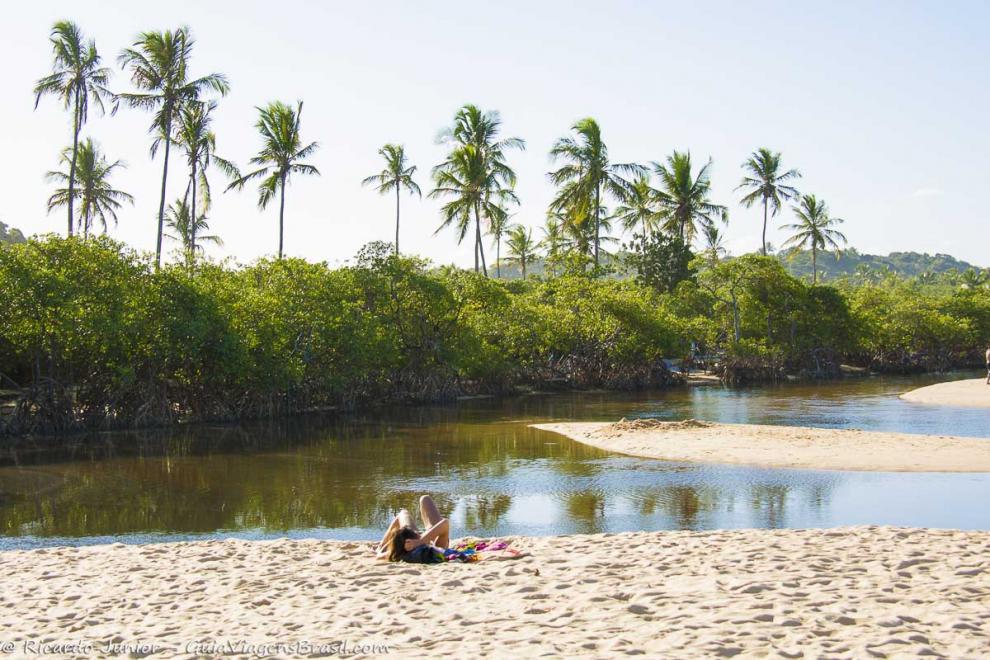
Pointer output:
882, 105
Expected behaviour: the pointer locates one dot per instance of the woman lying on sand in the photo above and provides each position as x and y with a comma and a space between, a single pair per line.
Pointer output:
403, 542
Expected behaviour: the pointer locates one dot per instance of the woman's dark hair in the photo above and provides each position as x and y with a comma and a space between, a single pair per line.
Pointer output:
396, 543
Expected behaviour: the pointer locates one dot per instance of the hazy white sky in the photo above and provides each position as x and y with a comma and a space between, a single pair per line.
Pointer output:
882, 105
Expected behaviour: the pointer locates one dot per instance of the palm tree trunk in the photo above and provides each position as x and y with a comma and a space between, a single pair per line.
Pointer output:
161, 203
281, 215
764, 226
597, 218
477, 234
397, 218
192, 222
72, 165
814, 265
498, 256
523, 262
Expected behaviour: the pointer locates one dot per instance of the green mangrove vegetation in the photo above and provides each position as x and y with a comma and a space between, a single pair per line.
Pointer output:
96, 336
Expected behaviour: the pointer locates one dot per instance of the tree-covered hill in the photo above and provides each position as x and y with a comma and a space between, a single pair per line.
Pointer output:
10, 234
852, 262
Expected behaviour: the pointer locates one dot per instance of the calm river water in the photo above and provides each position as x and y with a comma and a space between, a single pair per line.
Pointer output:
344, 477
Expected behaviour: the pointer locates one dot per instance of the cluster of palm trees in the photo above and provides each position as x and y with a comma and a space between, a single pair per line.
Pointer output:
478, 185
474, 181
182, 110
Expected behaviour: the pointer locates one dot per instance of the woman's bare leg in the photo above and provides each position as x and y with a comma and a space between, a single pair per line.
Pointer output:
405, 519
431, 516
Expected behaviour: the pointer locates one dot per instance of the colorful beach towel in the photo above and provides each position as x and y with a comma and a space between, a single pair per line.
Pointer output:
475, 550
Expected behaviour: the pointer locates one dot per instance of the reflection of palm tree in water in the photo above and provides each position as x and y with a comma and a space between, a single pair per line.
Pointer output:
682, 503
486, 511
587, 508
770, 500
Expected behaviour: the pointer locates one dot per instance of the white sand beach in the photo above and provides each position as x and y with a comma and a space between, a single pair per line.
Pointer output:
970, 393
853, 592
781, 446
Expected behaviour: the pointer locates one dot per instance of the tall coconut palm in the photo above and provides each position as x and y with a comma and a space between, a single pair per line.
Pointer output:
554, 242
190, 235
159, 67
521, 247
766, 182
640, 207
457, 182
497, 228
280, 157
197, 140
684, 197
76, 79
714, 244
396, 176
98, 199
494, 179
587, 176
815, 228
581, 232
474, 190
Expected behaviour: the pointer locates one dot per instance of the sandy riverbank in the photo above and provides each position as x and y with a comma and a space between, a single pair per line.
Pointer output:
782, 446
970, 393
840, 592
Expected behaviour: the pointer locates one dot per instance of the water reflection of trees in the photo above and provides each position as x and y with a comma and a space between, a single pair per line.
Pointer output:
353, 472
347, 472
486, 511
683, 504
769, 501
587, 509
697, 506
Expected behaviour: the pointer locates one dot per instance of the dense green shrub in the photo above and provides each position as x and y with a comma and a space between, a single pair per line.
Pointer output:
92, 335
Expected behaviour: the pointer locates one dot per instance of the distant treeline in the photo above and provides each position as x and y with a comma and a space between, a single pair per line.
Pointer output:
852, 264
94, 336
849, 264
10, 234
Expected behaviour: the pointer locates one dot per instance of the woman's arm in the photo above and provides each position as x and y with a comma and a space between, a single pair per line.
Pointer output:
441, 528
380, 549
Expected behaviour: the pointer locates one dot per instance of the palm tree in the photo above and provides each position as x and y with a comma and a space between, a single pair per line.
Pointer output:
521, 247
395, 176
76, 78
971, 278
765, 182
159, 66
815, 227
199, 143
553, 241
492, 179
178, 218
98, 200
497, 228
714, 244
683, 196
279, 158
640, 207
473, 188
581, 234
587, 176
